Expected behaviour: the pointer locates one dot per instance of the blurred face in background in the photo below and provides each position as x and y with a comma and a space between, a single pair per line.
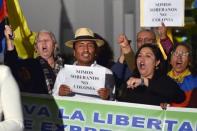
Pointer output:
180, 59
146, 62
85, 52
144, 37
45, 45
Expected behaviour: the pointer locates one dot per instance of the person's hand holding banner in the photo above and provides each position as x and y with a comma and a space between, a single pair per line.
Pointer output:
104, 93
64, 90
162, 31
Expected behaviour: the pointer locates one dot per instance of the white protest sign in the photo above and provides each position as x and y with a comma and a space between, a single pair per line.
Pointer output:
84, 79
153, 12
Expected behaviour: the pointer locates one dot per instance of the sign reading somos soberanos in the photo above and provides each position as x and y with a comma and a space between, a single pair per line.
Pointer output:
153, 12
82, 79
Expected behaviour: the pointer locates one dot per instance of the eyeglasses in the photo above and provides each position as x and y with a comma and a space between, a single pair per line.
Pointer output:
145, 40
180, 53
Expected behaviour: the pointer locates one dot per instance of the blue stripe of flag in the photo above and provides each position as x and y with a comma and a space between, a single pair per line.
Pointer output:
1, 3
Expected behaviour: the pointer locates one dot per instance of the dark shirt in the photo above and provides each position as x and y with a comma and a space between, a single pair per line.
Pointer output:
193, 99
121, 71
28, 73
161, 89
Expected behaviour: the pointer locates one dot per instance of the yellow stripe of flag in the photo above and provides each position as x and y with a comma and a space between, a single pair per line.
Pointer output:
169, 33
24, 37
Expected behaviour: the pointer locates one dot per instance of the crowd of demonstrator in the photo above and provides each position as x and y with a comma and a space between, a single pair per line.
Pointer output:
145, 77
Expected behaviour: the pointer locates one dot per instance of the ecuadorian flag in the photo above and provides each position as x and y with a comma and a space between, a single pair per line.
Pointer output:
24, 37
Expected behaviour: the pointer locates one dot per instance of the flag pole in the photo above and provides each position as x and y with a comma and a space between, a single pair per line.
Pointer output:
11, 36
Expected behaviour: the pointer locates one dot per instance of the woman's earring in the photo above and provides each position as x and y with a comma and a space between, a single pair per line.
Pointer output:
156, 67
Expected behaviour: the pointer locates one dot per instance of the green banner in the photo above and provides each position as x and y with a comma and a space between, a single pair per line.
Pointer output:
45, 113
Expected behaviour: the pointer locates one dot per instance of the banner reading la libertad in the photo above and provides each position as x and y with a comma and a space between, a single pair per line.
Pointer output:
43, 113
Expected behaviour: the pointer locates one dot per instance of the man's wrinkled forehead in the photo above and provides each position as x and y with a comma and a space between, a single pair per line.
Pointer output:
146, 34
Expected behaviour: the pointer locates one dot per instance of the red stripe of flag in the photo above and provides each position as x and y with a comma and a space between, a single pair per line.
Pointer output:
3, 10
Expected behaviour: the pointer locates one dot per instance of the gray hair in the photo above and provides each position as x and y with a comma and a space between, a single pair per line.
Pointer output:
148, 30
46, 31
